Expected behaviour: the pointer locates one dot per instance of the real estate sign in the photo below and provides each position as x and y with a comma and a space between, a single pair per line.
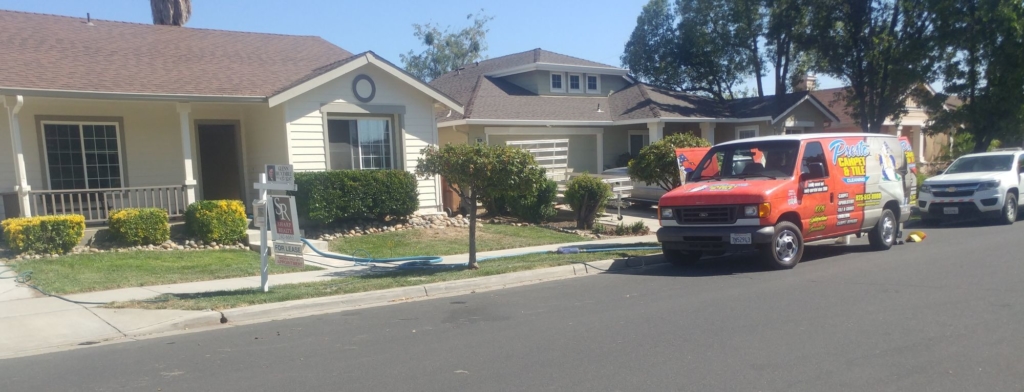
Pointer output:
286, 219
279, 178
288, 254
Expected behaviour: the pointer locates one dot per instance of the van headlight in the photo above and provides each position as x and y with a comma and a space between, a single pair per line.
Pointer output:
988, 185
750, 211
666, 213
925, 189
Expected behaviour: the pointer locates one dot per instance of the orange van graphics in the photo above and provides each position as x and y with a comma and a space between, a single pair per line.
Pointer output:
910, 181
770, 194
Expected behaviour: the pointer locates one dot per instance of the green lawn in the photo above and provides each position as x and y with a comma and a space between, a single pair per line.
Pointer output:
448, 241
379, 281
105, 271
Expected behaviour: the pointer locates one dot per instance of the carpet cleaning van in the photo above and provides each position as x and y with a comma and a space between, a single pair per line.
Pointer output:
773, 194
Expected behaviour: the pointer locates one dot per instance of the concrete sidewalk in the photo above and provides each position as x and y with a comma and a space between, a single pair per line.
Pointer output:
34, 324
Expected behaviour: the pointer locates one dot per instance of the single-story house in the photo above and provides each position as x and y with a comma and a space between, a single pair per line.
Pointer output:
605, 115
103, 115
928, 148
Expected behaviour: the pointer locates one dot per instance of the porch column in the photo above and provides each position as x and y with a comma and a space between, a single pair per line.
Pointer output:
656, 131
920, 143
600, 151
184, 108
707, 131
13, 105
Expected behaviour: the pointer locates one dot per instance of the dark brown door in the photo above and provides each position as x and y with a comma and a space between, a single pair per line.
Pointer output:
219, 161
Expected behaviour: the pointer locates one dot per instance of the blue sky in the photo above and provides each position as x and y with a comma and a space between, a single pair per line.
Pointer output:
595, 30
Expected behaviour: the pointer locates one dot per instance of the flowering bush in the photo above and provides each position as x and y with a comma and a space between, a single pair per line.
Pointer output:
44, 234
140, 226
221, 221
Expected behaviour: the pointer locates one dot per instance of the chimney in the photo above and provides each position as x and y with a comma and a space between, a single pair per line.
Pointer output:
806, 83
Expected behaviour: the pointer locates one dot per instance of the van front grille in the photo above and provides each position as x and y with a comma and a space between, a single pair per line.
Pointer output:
716, 214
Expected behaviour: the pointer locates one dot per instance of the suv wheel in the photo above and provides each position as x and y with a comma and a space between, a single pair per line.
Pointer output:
680, 258
884, 234
786, 248
1009, 214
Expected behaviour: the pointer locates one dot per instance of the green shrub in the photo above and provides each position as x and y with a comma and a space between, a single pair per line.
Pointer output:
44, 234
586, 195
537, 205
337, 195
140, 226
221, 221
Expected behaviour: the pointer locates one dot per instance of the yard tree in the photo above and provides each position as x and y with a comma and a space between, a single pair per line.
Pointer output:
983, 66
786, 24
446, 50
651, 52
657, 164
171, 12
472, 170
880, 48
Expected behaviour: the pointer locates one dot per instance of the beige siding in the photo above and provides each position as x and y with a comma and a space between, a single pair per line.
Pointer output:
265, 142
305, 132
616, 142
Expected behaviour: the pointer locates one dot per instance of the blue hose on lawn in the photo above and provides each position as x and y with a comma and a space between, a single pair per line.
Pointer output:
433, 262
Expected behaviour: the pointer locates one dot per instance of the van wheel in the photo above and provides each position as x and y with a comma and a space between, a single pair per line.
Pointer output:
786, 248
680, 258
1009, 214
884, 234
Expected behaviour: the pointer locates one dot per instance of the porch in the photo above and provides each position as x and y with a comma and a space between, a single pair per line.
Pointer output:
92, 157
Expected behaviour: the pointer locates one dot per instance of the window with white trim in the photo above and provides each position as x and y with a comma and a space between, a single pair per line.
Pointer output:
593, 84
746, 132
363, 144
556, 83
82, 155
575, 84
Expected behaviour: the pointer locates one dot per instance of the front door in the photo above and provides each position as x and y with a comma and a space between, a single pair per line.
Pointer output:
219, 162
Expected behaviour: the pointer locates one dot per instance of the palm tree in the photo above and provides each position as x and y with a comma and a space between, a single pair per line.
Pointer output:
171, 12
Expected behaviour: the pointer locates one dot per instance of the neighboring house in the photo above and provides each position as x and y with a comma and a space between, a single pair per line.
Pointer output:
600, 109
913, 125
102, 114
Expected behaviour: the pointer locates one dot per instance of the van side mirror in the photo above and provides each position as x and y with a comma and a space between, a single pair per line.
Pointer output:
815, 170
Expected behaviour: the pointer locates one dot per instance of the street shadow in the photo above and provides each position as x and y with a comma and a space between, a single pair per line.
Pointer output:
743, 263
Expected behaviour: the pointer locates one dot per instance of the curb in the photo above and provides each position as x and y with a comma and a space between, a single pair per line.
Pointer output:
338, 303
205, 319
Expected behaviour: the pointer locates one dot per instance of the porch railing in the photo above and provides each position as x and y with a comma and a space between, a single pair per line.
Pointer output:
97, 204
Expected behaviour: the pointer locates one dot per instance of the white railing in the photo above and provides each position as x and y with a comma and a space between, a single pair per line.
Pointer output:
97, 204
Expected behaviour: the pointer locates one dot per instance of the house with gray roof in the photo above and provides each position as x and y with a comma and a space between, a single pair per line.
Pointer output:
605, 114
99, 115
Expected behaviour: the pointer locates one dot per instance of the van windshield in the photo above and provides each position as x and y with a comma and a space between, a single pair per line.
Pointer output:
981, 163
761, 159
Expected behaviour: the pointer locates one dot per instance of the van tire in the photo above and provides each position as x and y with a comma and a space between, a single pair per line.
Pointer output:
680, 258
1010, 208
786, 248
884, 234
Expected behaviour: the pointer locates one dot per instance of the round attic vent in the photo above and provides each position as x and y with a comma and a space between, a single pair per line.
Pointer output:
363, 88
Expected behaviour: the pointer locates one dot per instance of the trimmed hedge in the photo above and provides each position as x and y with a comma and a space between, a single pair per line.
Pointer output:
536, 206
44, 234
337, 195
140, 226
586, 195
222, 221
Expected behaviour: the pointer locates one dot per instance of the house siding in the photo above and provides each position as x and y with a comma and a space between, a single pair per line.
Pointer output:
305, 129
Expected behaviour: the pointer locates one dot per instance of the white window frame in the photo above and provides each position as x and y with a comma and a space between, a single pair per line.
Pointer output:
586, 82
85, 170
562, 80
634, 132
740, 129
795, 130
568, 83
357, 153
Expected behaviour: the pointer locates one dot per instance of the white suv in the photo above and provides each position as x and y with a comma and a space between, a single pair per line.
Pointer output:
975, 185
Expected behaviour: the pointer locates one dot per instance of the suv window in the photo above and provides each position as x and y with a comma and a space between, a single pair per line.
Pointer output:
813, 153
1020, 164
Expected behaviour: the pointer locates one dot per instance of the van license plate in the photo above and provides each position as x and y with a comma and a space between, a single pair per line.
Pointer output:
739, 239
951, 210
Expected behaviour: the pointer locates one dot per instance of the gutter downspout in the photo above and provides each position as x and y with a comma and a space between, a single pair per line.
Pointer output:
13, 105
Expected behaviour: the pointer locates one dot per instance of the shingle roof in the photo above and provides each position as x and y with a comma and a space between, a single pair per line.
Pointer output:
52, 52
835, 100
500, 100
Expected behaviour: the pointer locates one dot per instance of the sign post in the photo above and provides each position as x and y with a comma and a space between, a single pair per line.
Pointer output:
274, 178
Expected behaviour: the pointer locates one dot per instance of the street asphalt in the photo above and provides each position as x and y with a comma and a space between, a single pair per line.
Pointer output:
946, 314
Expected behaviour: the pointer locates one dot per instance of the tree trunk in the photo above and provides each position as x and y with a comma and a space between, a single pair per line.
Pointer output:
472, 233
981, 143
758, 68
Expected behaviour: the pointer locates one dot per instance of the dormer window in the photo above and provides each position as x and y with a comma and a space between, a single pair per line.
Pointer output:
575, 84
593, 84
556, 83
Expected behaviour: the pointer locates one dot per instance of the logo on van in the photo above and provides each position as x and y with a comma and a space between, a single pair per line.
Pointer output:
841, 149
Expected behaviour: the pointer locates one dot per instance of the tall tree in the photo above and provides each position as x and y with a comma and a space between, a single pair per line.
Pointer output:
748, 18
786, 25
446, 50
983, 67
171, 12
651, 53
880, 48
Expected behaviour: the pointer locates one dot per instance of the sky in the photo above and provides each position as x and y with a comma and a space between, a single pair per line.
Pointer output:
595, 30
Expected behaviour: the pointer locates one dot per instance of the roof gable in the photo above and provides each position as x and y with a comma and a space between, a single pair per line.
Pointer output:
58, 53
